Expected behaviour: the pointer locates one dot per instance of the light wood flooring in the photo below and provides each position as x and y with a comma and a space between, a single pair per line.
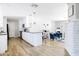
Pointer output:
18, 47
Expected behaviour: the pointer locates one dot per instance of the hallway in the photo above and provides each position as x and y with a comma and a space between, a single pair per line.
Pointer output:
18, 47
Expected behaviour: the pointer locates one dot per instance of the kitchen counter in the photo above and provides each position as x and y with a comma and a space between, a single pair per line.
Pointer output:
33, 32
34, 38
3, 33
3, 42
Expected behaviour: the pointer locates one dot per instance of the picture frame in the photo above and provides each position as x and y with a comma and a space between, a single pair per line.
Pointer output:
71, 11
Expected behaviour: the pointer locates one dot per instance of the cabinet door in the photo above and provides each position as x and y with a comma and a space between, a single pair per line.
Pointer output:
1, 22
1, 18
3, 43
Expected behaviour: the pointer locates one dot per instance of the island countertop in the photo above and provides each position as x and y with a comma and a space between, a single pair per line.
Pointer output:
33, 32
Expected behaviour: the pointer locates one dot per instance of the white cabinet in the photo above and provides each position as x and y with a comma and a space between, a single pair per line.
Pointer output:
1, 17
69, 38
34, 38
72, 38
1, 22
3, 43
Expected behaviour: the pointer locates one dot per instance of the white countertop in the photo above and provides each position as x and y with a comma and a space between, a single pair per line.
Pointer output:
3, 33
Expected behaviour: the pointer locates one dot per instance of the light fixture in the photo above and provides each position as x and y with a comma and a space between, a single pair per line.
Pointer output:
34, 6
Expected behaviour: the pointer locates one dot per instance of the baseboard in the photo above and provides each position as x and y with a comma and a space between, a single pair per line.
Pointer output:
68, 54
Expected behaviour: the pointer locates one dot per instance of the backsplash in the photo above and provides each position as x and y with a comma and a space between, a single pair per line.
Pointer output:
1, 29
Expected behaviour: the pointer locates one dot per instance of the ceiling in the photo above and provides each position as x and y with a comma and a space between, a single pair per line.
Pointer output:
45, 11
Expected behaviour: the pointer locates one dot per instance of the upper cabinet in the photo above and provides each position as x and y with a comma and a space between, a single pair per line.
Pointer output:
1, 22
1, 18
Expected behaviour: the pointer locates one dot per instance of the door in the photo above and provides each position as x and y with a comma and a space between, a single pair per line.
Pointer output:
11, 28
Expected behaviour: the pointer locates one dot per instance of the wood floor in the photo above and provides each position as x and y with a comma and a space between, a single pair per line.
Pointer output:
18, 47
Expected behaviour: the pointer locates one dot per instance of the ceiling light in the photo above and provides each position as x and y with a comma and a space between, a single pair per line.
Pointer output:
34, 5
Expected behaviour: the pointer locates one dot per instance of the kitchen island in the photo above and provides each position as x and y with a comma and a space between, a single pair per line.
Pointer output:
34, 38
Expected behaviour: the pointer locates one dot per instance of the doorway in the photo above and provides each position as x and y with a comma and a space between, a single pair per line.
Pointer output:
13, 28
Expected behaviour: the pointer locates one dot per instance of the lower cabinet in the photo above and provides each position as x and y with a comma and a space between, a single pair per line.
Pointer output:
3, 43
72, 38
34, 39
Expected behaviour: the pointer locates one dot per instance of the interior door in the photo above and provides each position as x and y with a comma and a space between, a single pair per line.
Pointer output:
12, 29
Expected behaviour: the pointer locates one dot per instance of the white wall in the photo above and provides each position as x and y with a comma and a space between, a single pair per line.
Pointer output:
22, 21
52, 27
61, 24
39, 26
4, 24
46, 13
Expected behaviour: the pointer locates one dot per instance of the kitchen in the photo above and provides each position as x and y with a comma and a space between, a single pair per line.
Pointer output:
29, 23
